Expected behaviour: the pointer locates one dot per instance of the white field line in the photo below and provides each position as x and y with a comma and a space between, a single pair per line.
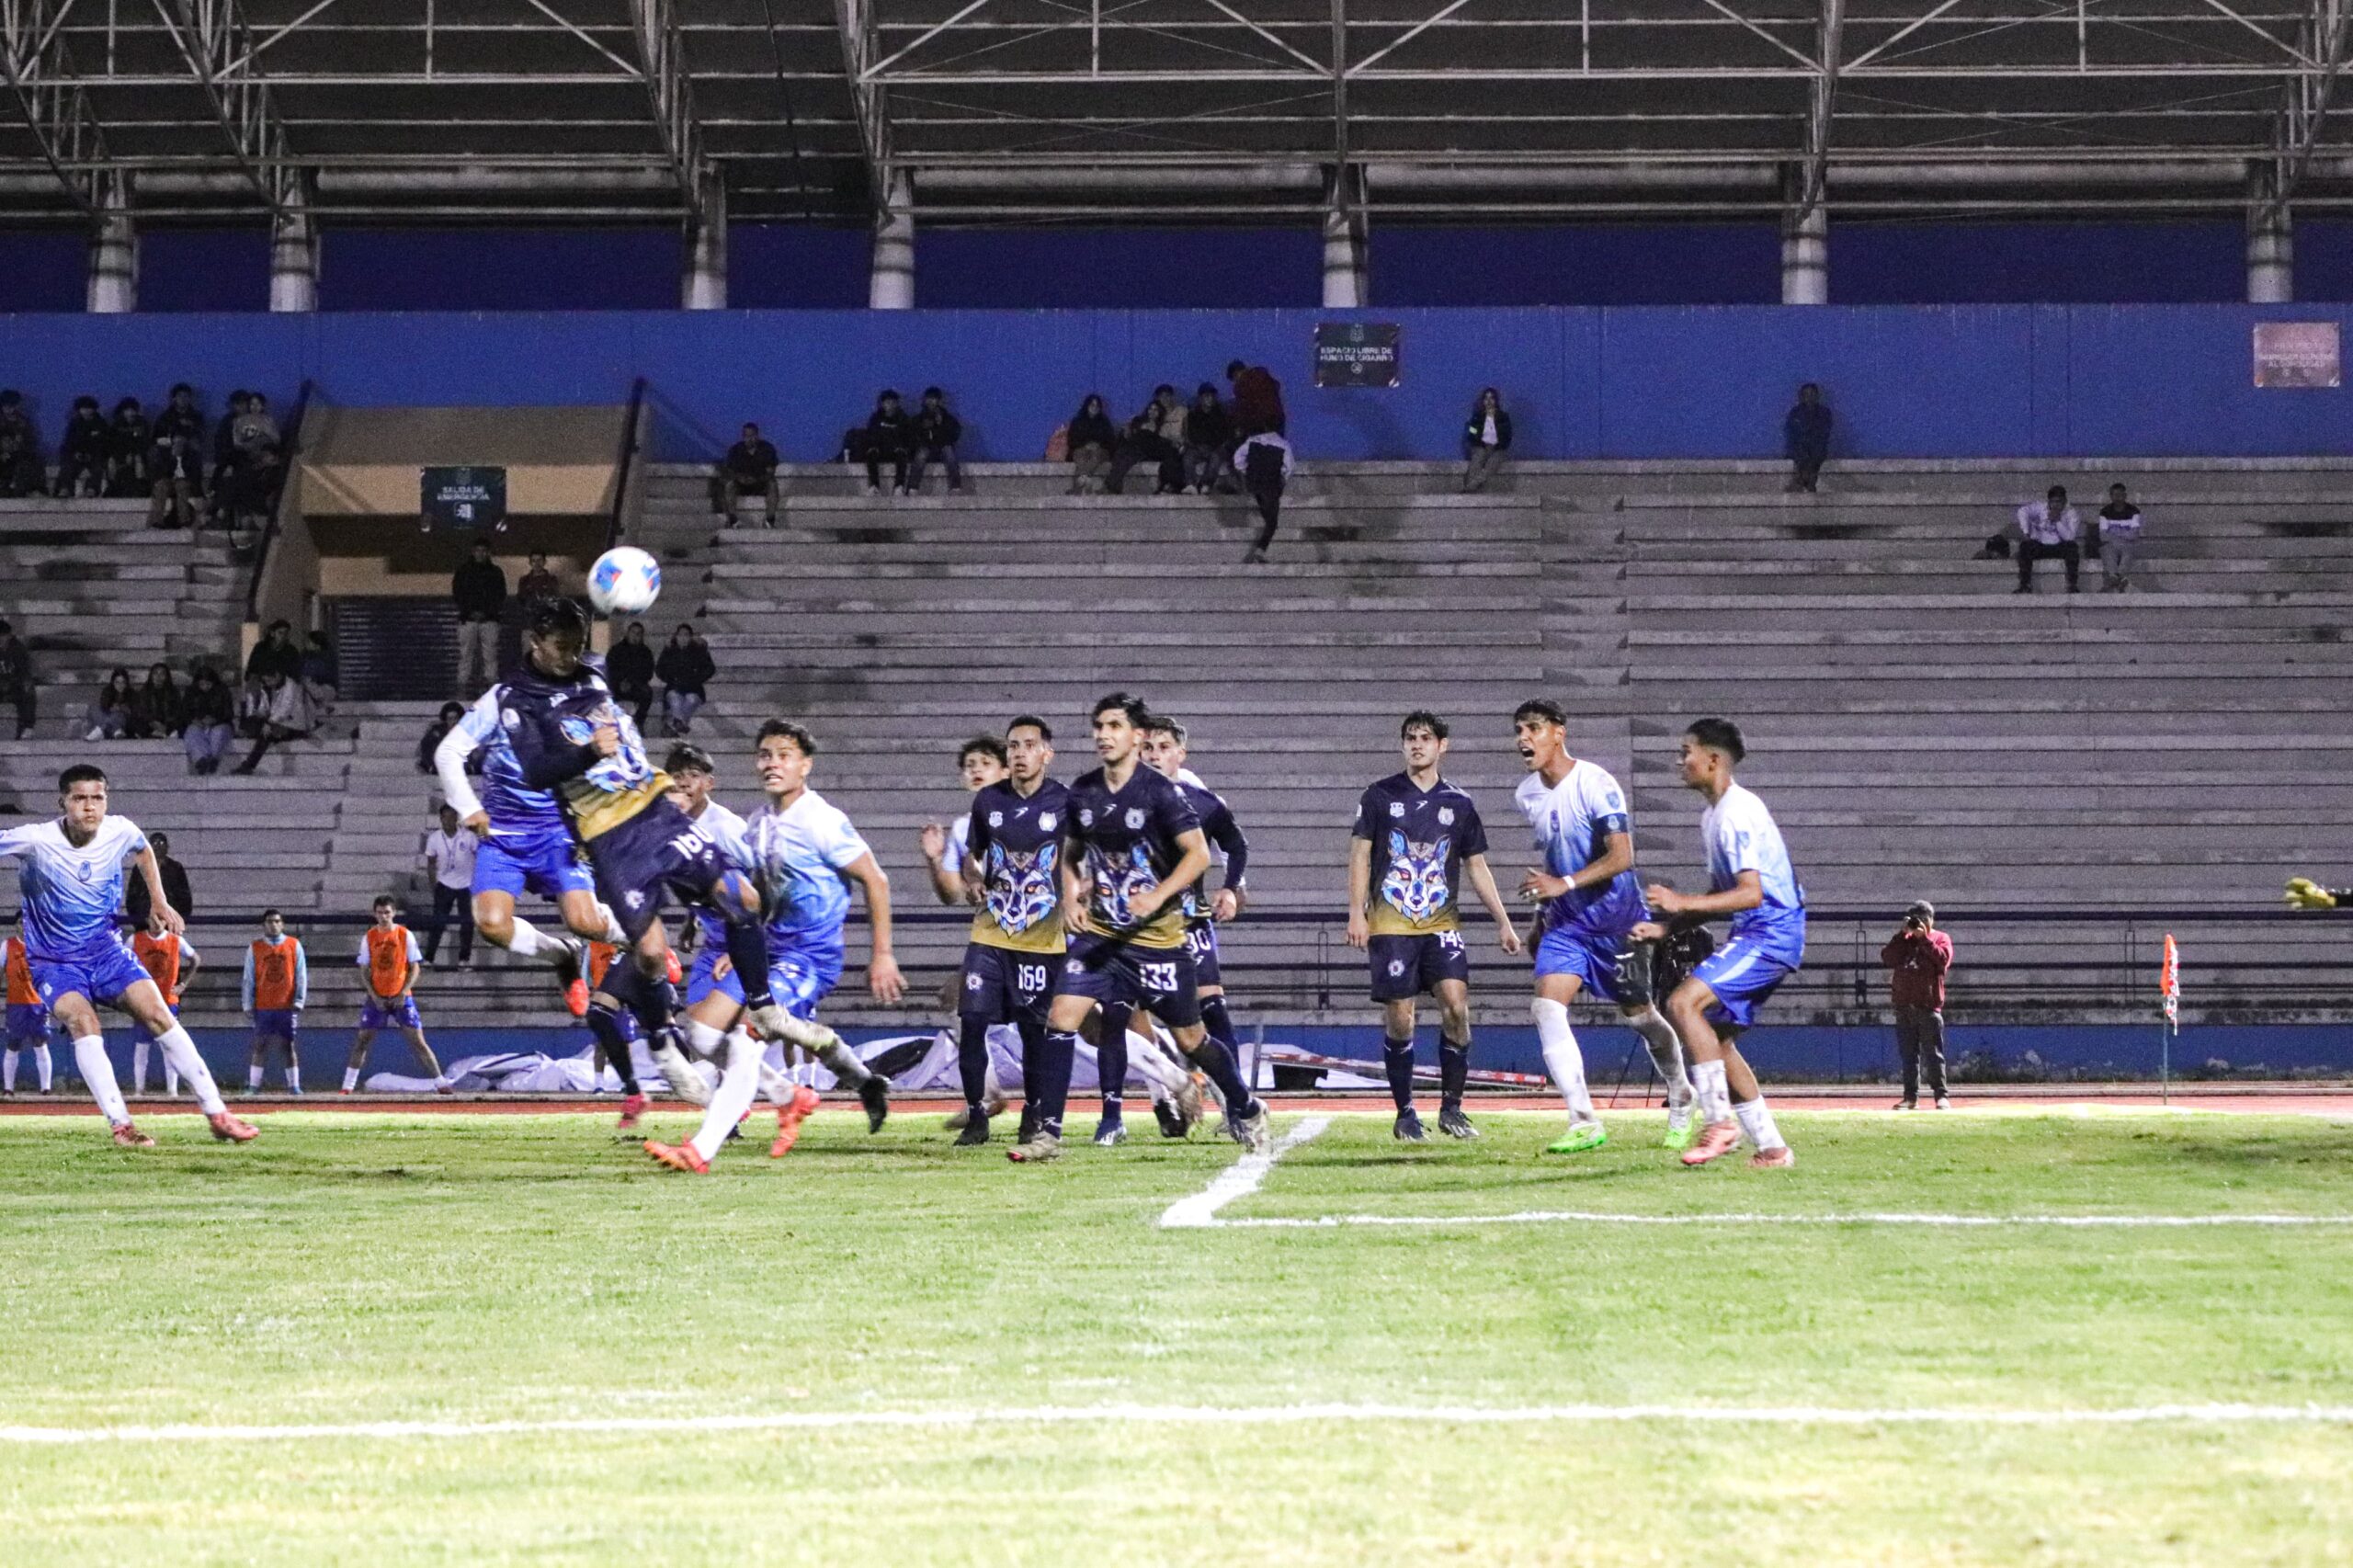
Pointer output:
1239, 1179
1211, 1415
1956, 1221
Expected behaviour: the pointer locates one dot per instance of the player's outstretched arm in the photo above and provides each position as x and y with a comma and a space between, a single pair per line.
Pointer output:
882, 977
1748, 893
449, 768
1483, 883
1191, 865
1359, 891
945, 885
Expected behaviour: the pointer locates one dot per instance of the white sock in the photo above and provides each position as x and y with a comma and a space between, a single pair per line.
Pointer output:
1666, 1053
350, 1079
8, 1069
90, 1056
293, 1077
685, 1080
1715, 1096
42, 1065
1757, 1122
252, 1077
530, 943
778, 1088
614, 934
137, 1066
739, 1082
1562, 1057
181, 1052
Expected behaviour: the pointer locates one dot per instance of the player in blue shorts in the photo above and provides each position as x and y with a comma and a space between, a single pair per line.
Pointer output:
69, 886
1589, 906
1750, 878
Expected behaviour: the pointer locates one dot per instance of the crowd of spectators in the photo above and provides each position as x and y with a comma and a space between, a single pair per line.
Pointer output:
163, 461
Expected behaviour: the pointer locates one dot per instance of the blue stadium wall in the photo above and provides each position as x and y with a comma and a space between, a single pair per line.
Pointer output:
1632, 381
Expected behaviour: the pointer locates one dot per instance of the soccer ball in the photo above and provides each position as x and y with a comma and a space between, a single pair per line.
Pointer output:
625, 581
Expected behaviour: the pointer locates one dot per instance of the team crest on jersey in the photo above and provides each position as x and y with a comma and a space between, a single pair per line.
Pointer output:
578, 730
1396, 808
996, 819
1135, 818
1021, 887
1414, 885
1086, 817
1118, 885
1046, 822
1446, 816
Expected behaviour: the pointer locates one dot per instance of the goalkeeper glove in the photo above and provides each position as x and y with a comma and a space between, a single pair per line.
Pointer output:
2305, 893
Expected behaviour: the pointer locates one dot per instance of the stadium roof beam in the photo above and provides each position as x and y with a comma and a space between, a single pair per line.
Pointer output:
212, 37
2304, 109
670, 93
55, 106
868, 94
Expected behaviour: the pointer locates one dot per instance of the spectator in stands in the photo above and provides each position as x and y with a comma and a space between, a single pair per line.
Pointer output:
1148, 439
629, 671
479, 589
130, 442
449, 860
176, 891
887, 435
210, 710
15, 421
2119, 534
2049, 529
1805, 438
1209, 440
275, 650
1092, 438
177, 461
82, 452
286, 717
748, 468
932, 437
539, 586
156, 707
1265, 461
1486, 437
1917, 957
109, 718
322, 681
20, 470
17, 682
224, 453
1258, 400
259, 459
684, 669
435, 733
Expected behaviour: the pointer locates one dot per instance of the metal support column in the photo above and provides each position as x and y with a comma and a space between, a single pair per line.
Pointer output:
114, 252
294, 251
892, 286
704, 285
2270, 240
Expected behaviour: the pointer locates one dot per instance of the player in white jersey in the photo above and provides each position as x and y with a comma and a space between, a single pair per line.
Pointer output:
984, 760
70, 886
1589, 906
1750, 878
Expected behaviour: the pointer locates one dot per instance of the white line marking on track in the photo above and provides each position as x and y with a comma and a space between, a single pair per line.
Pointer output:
1239, 1179
1211, 1415
1958, 1222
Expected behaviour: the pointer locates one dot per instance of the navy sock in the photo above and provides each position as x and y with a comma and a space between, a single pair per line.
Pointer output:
747, 949
1397, 1059
1453, 1070
1219, 1023
605, 1024
1050, 1072
1212, 1058
972, 1060
1111, 1057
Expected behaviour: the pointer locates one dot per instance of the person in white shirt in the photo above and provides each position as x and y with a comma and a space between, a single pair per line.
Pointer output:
2119, 533
980, 763
2049, 529
448, 859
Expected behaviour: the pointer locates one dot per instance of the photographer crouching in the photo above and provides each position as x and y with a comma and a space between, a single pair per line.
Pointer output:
1917, 957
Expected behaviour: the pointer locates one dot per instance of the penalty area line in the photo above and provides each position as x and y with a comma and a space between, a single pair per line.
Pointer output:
1209, 1415
1239, 1179
1953, 1221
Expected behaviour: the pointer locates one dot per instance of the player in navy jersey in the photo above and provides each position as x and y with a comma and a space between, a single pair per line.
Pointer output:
1415, 835
1010, 872
1132, 846
1166, 747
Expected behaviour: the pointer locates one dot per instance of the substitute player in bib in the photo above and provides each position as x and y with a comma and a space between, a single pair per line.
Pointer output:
390, 958
1590, 904
1415, 835
1010, 873
1131, 848
803, 855
28, 1025
1750, 878
277, 988
69, 886
171, 961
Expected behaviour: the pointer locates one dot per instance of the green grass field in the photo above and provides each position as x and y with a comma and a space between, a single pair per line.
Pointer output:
480, 1269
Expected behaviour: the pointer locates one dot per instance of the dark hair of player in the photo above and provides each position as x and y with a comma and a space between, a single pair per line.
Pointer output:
1133, 707
1718, 734
786, 729
1160, 724
687, 757
988, 746
1423, 719
1030, 722
385, 900
1542, 707
551, 618
80, 773
270, 915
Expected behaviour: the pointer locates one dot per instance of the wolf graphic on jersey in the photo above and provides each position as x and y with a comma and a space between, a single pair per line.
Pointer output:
1021, 888
1116, 885
1416, 884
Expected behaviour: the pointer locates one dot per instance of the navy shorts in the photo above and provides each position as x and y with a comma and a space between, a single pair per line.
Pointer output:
1200, 940
1158, 980
1004, 986
659, 851
545, 863
27, 1024
389, 1013
280, 1023
1404, 967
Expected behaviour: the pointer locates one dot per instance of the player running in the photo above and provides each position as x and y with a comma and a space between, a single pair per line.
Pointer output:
1415, 835
171, 961
1139, 844
69, 887
390, 958
1591, 906
27, 1024
803, 853
1750, 878
277, 988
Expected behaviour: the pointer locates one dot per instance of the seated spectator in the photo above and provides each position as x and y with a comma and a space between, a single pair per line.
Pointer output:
13, 419
321, 681
2048, 529
1147, 440
2119, 534
209, 708
276, 650
82, 452
130, 446
1805, 437
748, 468
177, 461
628, 672
285, 716
1486, 437
1209, 441
886, 441
1265, 461
684, 669
1258, 400
1092, 437
224, 454
539, 584
156, 707
17, 682
20, 470
109, 718
435, 733
254, 479
932, 437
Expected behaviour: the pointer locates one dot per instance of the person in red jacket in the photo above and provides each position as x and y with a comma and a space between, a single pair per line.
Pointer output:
1258, 401
1917, 957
